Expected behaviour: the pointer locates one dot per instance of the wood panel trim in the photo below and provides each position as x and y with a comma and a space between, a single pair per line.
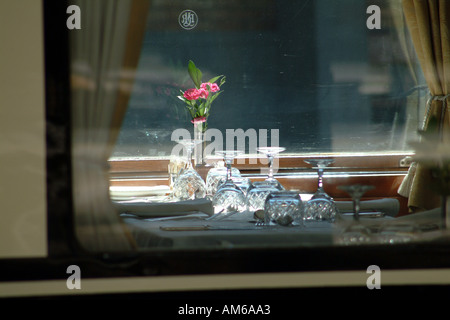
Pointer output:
381, 162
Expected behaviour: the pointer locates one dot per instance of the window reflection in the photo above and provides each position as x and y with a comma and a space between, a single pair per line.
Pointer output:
310, 69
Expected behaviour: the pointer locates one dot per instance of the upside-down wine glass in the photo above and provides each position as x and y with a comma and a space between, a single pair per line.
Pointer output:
321, 206
283, 208
229, 198
189, 185
217, 176
259, 190
356, 233
271, 153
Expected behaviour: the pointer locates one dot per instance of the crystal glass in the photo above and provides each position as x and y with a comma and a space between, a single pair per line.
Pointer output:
189, 185
243, 183
321, 206
356, 233
270, 153
258, 192
175, 167
229, 198
283, 208
356, 191
217, 176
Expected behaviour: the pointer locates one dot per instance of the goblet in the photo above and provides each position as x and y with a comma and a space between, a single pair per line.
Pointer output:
217, 176
356, 232
321, 206
229, 198
259, 190
243, 183
189, 185
271, 152
283, 208
356, 191
257, 194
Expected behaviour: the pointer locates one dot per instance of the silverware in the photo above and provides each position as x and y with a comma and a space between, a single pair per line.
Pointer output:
207, 227
370, 214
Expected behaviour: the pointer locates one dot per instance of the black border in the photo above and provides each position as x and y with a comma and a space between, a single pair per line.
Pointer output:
58, 128
64, 249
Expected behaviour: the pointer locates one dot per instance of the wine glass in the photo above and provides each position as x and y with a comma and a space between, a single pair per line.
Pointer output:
259, 190
217, 176
258, 193
283, 208
229, 198
189, 185
321, 206
243, 183
270, 153
356, 232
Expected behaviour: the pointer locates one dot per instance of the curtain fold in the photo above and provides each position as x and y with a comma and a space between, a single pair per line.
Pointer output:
415, 90
429, 25
104, 54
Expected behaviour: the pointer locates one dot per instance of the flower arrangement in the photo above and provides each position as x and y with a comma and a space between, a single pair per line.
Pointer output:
198, 100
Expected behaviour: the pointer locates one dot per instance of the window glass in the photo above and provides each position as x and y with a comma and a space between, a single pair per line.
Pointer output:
312, 76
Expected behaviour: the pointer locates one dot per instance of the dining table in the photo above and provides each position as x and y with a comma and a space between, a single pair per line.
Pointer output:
193, 224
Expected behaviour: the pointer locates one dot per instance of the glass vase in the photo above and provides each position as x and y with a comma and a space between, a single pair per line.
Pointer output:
199, 149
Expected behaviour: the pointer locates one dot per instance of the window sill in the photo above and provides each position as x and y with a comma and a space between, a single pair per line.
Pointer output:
343, 162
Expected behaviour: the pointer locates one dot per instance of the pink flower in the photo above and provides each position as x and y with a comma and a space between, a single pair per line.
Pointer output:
191, 94
198, 120
203, 93
194, 94
210, 86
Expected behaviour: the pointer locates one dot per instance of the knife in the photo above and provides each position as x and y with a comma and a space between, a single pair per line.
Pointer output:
369, 214
208, 227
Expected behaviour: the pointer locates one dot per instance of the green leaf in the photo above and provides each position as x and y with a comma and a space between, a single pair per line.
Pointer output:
195, 73
214, 79
201, 109
213, 97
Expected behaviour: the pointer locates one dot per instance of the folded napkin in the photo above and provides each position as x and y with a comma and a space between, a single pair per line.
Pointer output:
388, 206
131, 192
145, 208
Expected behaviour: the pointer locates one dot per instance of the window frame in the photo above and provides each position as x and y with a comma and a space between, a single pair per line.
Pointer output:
421, 257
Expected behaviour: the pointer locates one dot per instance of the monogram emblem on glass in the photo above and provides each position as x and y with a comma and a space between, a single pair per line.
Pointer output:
188, 19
